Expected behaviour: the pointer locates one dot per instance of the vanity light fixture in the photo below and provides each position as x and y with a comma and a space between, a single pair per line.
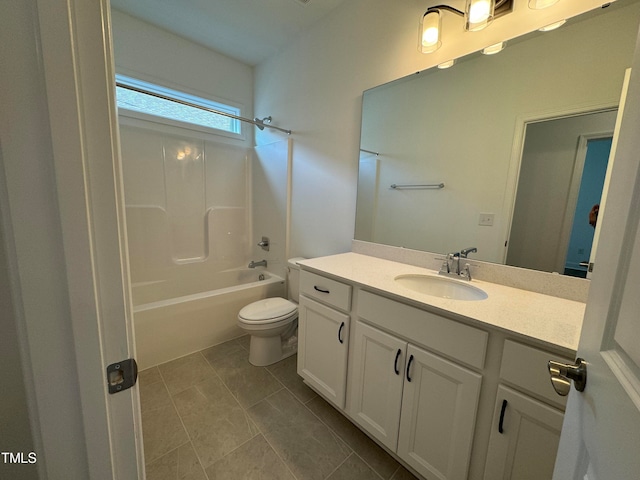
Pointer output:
477, 15
495, 48
552, 26
540, 4
447, 64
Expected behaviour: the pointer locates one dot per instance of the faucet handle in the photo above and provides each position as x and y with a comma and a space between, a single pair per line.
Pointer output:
466, 273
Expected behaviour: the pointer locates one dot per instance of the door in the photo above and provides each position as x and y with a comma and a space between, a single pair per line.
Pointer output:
595, 150
438, 418
524, 438
322, 349
79, 76
601, 430
376, 383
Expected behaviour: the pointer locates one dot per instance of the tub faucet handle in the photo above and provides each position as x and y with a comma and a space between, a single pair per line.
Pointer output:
264, 244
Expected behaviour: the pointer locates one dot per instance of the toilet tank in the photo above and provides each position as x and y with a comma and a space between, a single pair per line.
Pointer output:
293, 279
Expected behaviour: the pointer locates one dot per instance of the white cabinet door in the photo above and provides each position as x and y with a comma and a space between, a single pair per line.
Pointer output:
438, 419
376, 380
524, 439
323, 335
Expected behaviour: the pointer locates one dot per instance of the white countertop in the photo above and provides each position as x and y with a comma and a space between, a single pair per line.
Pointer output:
552, 320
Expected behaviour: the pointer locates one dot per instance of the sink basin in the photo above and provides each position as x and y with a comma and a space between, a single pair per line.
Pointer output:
441, 287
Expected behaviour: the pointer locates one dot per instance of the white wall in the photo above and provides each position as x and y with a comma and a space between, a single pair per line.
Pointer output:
158, 56
314, 87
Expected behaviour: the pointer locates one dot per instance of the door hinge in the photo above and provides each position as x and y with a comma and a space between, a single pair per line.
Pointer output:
122, 375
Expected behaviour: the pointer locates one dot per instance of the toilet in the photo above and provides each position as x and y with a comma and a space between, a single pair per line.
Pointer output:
273, 323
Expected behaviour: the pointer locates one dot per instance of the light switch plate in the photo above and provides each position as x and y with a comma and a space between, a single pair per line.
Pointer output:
486, 219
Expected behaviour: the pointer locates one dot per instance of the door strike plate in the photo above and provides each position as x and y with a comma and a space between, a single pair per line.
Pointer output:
122, 375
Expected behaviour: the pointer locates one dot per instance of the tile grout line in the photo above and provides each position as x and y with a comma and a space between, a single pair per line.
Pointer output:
246, 410
182, 422
341, 463
343, 440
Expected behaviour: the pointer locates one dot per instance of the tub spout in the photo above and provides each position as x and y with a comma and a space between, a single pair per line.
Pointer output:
261, 263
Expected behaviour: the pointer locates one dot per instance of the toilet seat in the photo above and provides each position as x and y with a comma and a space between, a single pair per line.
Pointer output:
268, 312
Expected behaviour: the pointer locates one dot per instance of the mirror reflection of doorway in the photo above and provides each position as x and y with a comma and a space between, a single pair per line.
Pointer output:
596, 158
553, 161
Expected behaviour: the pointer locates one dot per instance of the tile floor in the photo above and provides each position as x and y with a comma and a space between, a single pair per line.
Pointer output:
212, 415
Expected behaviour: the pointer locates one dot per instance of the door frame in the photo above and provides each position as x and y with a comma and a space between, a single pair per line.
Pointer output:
64, 235
80, 88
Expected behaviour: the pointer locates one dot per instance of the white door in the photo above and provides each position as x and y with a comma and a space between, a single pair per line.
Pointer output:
376, 381
438, 417
524, 438
80, 85
601, 432
322, 349
610, 164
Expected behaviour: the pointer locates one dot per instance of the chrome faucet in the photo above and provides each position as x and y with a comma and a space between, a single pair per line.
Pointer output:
261, 263
451, 265
464, 253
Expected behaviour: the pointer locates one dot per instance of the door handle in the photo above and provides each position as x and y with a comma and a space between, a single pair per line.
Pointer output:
562, 374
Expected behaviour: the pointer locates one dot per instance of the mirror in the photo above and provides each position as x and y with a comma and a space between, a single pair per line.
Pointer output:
466, 128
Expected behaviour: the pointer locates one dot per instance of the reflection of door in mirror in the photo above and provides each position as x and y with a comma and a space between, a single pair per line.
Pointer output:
553, 161
594, 157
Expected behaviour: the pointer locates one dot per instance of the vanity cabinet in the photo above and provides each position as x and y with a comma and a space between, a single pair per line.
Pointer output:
323, 333
415, 402
465, 396
526, 429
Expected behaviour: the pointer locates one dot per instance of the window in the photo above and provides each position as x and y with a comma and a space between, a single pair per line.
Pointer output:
147, 103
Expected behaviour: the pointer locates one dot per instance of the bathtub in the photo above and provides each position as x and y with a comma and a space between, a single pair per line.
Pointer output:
170, 321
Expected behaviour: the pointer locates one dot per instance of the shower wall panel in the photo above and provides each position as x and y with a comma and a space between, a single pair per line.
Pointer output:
269, 202
186, 197
183, 161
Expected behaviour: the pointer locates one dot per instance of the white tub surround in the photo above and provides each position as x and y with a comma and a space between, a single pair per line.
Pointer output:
542, 318
455, 389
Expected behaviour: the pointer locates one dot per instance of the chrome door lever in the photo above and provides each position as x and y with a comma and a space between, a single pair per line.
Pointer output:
562, 374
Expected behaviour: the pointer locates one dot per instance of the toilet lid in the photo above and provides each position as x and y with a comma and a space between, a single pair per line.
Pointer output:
268, 309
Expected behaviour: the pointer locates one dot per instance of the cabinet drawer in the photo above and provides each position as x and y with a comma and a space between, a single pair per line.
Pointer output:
526, 367
461, 342
326, 290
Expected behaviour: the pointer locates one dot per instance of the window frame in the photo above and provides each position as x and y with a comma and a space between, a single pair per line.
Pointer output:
228, 107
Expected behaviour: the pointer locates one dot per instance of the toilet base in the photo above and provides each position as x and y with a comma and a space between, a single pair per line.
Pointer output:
265, 351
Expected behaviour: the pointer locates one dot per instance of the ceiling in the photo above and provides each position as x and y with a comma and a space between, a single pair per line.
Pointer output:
247, 30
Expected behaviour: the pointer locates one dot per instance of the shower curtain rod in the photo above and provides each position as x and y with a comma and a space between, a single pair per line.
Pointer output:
260, 124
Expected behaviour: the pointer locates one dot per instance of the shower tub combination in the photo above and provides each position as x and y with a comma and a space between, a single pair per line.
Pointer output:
167, 328
191, 215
